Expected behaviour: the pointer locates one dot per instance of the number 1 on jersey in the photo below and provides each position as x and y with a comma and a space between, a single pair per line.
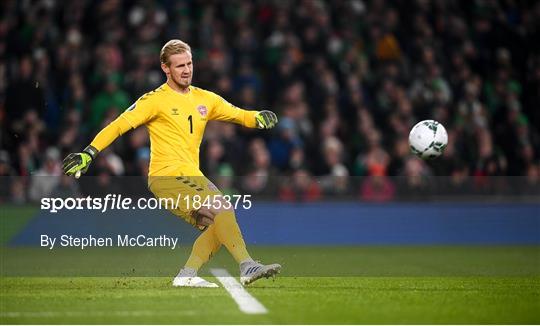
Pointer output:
190, 118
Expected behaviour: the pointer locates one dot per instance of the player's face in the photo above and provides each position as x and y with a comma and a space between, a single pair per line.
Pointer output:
180, 69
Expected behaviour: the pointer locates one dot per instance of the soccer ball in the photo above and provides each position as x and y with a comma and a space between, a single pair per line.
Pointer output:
428, 139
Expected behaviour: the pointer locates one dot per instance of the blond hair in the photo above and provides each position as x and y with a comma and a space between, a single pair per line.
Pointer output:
172, 47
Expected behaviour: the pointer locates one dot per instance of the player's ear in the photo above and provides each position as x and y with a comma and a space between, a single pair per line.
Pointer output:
166, 69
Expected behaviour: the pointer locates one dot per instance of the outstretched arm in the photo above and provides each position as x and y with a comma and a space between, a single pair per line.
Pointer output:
224, 111
139, 113
78, 163
109, 134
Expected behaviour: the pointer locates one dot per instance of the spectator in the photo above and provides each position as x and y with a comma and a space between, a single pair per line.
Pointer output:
71, 70
301, 188
225, 180
66, 188
377, 187
7, 176
24, 93
46, 179
111, 98
258, 179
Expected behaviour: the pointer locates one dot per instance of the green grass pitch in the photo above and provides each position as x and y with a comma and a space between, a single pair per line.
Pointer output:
319, 285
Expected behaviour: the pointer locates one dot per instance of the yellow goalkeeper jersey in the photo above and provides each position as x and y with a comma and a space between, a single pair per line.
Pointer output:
176, 124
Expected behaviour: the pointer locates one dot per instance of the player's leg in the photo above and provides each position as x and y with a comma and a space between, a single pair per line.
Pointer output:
224, 230
205, 245
203, 249
228, 233
223, 222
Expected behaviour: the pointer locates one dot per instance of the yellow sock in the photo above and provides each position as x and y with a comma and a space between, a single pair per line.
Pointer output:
204, 248
228, 233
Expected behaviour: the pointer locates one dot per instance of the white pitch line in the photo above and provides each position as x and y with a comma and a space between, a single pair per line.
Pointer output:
246, 302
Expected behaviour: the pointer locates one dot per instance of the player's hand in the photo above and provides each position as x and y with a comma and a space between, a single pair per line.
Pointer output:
78, 163
266, 119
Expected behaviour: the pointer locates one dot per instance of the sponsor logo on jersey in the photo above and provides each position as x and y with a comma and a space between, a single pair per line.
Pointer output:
202, 110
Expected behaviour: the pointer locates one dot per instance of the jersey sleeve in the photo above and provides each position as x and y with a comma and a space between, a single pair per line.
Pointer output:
139, 113
224, 111
108, 134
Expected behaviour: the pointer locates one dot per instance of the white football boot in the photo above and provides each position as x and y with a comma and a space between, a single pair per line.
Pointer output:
187, 277
250, 271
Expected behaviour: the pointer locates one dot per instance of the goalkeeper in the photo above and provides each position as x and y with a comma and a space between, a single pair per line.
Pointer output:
176, 114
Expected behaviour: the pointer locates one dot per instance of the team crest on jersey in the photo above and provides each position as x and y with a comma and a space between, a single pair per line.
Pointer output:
202, 110
174, 111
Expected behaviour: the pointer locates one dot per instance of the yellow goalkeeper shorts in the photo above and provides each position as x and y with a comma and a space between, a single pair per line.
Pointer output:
183, 192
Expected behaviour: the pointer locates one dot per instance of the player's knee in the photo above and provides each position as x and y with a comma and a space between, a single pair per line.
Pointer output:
204, 216
223, 215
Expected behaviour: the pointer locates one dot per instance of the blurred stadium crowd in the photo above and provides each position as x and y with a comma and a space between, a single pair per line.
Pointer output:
348, 79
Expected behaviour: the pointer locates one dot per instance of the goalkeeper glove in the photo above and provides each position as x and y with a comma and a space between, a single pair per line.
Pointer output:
266, 119
78, 163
